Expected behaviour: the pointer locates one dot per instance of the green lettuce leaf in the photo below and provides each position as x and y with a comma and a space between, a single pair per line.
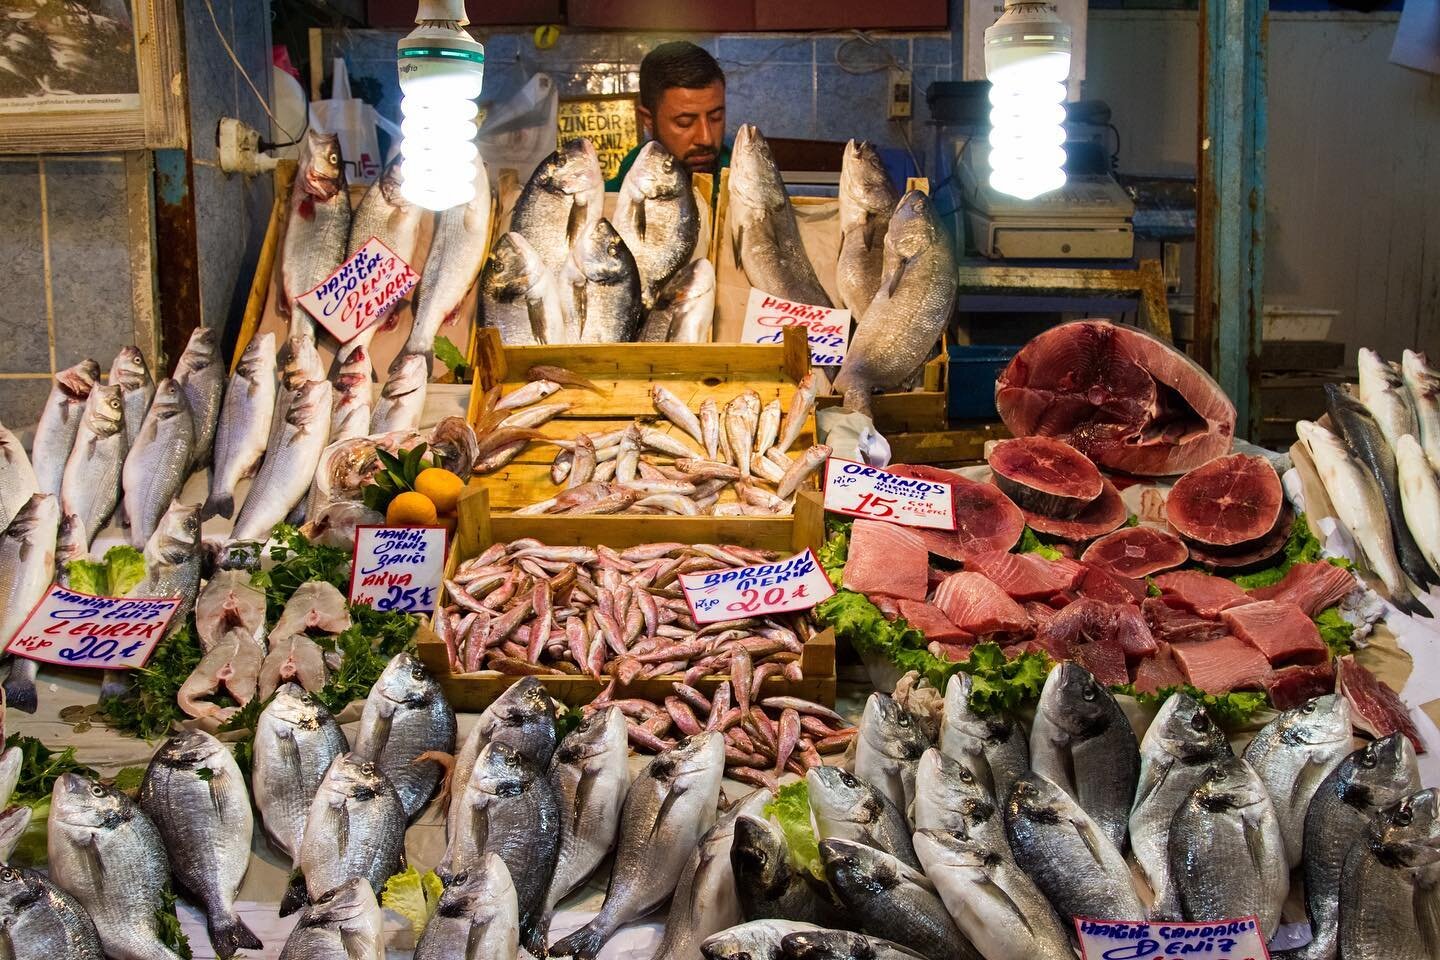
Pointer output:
87, 576
413, 896
791, 809
1302, 546
1231, 711
1030, 542
449, 354
1336, 631
124, 569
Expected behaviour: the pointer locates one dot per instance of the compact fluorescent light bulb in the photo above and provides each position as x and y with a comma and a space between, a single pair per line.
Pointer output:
441, 68
1027, 59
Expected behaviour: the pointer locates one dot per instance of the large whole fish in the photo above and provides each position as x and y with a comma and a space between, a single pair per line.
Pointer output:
991, 744
867, 199
317, 226
840, 945
42, 921
764, 237
1366, 440
847, 807
911, 308
201, 376
245, 421
402, 399
60, 422
1292, 755
522, 717
657, 217
131, 374
684, 309
106, 853
1355, 494
564, 197
520, 296
1424, 386
156, 467
1179, 748
769, 886
950, 796
91, 485
296, 739
1419, 497
1382, 390
477, 917
457, 251
667, 810
289, 465
888, 748
345, 923
384, 214
588, 776
172, 561
407, 723
1082, 741
600, 287
1388, 893
27, 563
195, 795
17, 476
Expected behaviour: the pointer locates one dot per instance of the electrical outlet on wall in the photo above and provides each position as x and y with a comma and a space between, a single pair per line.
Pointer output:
900, 92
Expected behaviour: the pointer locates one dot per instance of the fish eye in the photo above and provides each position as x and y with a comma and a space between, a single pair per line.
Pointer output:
306, 699
1367, 759
367, 769
97, 791
461, 877
966, 776
1403, 817
418, 672
1089, 694
848, 779
1200, 722
1309, 707
9, 874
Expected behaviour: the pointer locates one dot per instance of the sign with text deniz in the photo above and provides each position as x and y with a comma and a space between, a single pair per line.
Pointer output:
780, 587
398, 569
860, 490
1239, 939
828, 328
361, 292
77, 630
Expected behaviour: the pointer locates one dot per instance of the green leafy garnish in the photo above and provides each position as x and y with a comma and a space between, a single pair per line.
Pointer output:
1231, 710
40, 767
413, 896
449, 354
998, 685
168, 925
834, 552
1336, 631
1133, 520
122, 569
149, 709
791, 809
567, 721
129, 779
398, 474
1302, 546
1030, 542
1152, 589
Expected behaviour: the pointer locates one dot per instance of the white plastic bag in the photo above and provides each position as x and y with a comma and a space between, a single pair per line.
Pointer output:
355, 121
520, 131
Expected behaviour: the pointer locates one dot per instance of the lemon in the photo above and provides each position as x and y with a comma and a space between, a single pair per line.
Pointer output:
410, 509
441, 486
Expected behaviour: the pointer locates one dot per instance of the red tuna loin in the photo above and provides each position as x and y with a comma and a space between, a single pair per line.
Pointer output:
1137, 552
1098, 584
1313, 587
1228, 501
1103, 514
1158, 672
1248, 555
886, 558
1219, 666
955, 652
1045, 475
1279, 630
1118, 395
985, 519
1173, 625
889, 606
1025, 576
974, 604
1378, 710
1090, 621
1289, 687
931, 621
1199, 592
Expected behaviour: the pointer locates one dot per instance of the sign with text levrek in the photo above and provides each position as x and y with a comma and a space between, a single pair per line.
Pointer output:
361, 292
828, 328
398, 569
108, 633
860, 490
1239, 939
797, 583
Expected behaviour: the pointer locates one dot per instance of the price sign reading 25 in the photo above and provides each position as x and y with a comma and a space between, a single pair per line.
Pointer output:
860, 490
796, 583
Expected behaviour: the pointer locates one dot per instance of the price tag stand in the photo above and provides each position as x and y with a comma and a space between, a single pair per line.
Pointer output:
398, 569
73, 629
797, 583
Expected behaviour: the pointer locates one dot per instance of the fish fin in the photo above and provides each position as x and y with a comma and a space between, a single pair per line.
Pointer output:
998, 892
1255, 844
1156, 775
219, 504
229, 934
737, 239
891, 281
584, 943
577, 298
672, 796
1092, 843
20, 693
536, 311
296, 896
872, 230
639, 220
574, 222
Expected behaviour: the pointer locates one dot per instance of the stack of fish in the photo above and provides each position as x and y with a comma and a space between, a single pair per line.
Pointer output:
565, 274
1379, 462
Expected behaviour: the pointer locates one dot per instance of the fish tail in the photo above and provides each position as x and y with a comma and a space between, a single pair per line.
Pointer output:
20, 685
584, 943
533, 938
229, 934
219, 504
1406, 601
296, 895
116, 684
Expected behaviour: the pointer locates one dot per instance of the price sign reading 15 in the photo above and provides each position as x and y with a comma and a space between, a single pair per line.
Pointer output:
780, 587
860, 490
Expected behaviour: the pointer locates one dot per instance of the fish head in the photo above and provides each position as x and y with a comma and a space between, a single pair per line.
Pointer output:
601, 255
892, 729
478, 889
1380, 772
322, 173
169, 399
313, 401
875, 869
1229, 783
129, 368
656, 174
79, 801
75, 383
1184, 730
70, 542
408, 372
390, 183
696, 754
1407, 834
863, 178
39, 514
502, 771
839, 796
258, 360
178, 535
574, 169
1074, 700
201, 350
20, 889
515, 267
352, 901
760, 850
953, 849
106, 409
1322, 720
406, 681
598, 733
190, 750
355, 778
352, 388
914, 227
956, 784
302, 361
293, 706
1037, 799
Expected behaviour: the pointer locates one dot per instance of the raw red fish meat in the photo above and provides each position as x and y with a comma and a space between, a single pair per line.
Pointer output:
1278, 629
1173, 625
1200, 592
886, 558
1120, 396
985, 519
1289, 687
1098, 584
1040, 613
1103, 514
1045, 475
1104, 659
890, 606
1090, 621
1251, 553
931, 621
1137, 552
1025, 576
976, 605
1228, 501
1158, 672
1376, 708
1313, 587
950, 651
1219, 666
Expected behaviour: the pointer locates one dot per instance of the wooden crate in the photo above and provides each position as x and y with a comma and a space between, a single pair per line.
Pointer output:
478, 528
625, 372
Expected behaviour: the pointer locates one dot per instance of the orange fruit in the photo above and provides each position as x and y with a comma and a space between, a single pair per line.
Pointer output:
441, 486
410, 509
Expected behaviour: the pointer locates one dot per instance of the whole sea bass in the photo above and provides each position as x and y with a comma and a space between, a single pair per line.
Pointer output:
156, 467
406, 729
911, 308
106, 853
27, 563
564, 197
684, 310
1388, 905
131, 374
991, 744
60, 422
657, 217
245, 421
343, 924
384, 214
17, 476
201, 376
457, 251
296, 739
867, 199
888, 748
43, 922
600, 287
91, 485
588, 776
764, 238
317, 227
844, 806
402, 400
520, 296
195, 795
477, 917
289, 465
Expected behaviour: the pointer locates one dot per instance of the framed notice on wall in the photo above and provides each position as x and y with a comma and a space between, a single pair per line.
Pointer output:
95, 75
612, 123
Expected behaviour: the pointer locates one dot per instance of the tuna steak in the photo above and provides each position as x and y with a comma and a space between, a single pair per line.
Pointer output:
1118, 395
1136, 552
1045, 475
1251, 553
1105, 513
886, 559
1228, 501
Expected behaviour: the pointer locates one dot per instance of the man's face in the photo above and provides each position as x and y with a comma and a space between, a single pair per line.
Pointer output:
690, 123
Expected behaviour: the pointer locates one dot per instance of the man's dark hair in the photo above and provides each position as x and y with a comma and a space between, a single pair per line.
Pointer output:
678, 63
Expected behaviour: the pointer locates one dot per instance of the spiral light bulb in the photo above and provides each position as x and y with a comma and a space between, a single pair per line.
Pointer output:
441, 69
1027, 59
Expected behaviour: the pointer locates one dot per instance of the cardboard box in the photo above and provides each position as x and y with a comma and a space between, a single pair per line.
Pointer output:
716, 16
851, 14
482, 13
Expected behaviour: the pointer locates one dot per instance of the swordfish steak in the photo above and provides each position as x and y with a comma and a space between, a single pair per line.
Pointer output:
1118, 395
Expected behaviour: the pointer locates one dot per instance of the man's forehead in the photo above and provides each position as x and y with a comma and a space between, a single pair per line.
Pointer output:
678, 100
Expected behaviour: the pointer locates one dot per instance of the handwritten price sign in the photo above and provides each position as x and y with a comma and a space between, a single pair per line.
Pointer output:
361, 292
780, 587
766, 318
1138, 940
77, 630
859, 490
398, 569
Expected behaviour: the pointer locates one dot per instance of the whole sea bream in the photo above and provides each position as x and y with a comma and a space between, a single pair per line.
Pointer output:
245, 421
600, 289
131, 374
296, 740
476, 918
763, 235
1388, 893
457, 251
60, 422
867, 199
91, 485
156, 467
343, 924
407, 727
588, 776
522, 717
993, 744
289, 466
42, 921
201, 376
564, 197
317, 227
657, 217
520, 296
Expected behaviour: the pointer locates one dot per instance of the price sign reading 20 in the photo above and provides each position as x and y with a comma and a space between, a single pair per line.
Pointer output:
797, 583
